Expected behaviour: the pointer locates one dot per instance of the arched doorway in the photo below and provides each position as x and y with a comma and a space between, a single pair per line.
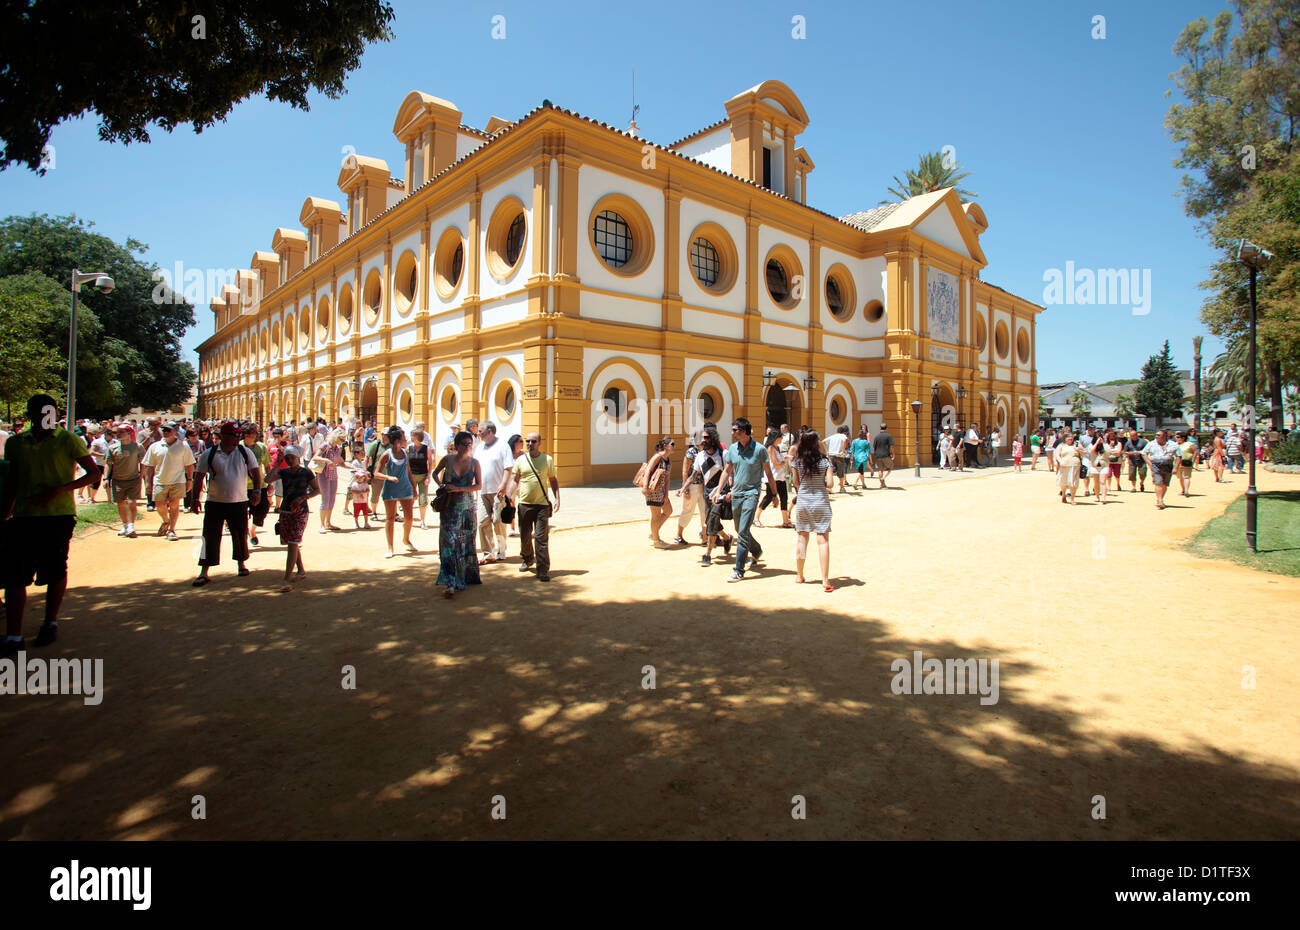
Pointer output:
784, 405
945, 415
368, 409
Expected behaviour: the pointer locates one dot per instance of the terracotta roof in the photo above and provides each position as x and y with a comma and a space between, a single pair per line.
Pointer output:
868, 220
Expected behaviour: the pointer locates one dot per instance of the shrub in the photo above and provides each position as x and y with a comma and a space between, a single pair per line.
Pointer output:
1287, 453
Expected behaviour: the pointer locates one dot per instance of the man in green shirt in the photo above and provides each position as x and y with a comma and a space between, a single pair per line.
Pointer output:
530, 471
40, 513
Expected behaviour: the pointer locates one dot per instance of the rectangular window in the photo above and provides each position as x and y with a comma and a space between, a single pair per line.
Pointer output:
767, 168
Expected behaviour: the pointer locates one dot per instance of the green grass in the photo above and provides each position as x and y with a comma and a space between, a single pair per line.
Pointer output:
91, 515
1277, 538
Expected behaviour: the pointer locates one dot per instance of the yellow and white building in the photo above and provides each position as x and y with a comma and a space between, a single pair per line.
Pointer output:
547, 272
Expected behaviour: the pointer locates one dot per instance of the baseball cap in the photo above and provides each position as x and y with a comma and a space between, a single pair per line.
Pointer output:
229, 429
170, 424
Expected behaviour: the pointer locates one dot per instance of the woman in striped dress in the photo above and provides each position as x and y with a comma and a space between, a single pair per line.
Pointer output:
812, 509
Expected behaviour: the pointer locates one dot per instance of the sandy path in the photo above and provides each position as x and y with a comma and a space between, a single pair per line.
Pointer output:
1120, 655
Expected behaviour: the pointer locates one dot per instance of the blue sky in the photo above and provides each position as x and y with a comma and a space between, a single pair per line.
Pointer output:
1063, 134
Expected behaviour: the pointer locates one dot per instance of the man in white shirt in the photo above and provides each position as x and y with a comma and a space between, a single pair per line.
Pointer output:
1160, 454
168, 468
494, 459
229, 467
836, 443
98, 452
309, 442
973, 446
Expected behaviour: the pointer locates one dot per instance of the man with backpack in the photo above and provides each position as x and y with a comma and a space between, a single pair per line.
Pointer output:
229, 468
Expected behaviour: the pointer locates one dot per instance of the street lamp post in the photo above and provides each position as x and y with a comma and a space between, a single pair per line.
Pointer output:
1254, 258
104, 284
916, 409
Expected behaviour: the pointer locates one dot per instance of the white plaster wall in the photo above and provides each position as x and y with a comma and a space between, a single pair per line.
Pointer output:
692, 368
513, 374
838, 345
445, 325
767, 238
621, 309
520, 186
343, 352
693, 213
594, 358
404, 336
940, 227
593, 184
713, 149
509, 310
465, 143
369, 345
868, 285
778, 335
458, 218
713, 324
609, 447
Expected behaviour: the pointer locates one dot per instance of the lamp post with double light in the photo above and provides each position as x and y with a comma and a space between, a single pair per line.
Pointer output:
1255, 259
104, 284
916, 411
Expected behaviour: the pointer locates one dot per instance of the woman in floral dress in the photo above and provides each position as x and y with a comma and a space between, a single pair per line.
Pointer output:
459, 473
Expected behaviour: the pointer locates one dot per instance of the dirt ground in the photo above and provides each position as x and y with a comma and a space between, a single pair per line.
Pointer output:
1121, 663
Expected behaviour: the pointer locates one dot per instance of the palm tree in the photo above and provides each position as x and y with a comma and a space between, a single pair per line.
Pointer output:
931, 175
1196, 344
1080, 405
1123, 407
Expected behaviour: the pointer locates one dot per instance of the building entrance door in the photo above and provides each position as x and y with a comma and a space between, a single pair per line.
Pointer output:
783, 406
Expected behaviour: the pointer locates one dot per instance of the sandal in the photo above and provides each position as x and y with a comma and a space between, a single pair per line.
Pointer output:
200, 581
244, 573
286, 588
828, 588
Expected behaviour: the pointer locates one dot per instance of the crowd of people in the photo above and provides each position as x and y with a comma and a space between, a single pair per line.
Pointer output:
483, 486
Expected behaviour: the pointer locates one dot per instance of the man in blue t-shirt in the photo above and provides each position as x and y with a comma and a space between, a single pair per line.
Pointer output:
745, 463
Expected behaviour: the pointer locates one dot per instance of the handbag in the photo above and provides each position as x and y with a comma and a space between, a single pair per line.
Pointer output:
441, 498
507, 513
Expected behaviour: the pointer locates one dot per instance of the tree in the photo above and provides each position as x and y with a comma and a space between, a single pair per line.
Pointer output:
1159, 394
158, 62
1080, 404
128, 347
935, 172
1124, 407
1293, 407
28, 363
1237, 129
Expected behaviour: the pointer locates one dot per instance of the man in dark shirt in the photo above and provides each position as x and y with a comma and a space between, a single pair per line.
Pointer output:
882, 451
1137, 463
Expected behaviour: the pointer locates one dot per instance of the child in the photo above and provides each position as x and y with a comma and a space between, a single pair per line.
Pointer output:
1018, 451
359, 492
298, 485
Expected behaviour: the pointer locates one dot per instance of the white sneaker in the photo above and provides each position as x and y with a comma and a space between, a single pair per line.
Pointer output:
122, 531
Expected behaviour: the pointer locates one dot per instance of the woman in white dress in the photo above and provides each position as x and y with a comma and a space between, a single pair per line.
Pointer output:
1065, 458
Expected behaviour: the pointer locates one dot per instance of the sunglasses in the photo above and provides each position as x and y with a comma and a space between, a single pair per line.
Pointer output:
532, 442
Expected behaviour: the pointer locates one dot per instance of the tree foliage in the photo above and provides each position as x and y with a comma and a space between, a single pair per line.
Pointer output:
1237, 130
934, 173
28, 363
1124, 408
128, 347
1159, 394
1080, 404
167, 63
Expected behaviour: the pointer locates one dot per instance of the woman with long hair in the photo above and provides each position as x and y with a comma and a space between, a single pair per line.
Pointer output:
1049, 447
1219, 457
419, 452
459, 473
1065, 462
394, 463
709, 465
772, 442
812, 511
658, 476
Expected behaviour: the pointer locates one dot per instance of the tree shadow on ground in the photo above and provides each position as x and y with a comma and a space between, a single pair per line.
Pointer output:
526, 691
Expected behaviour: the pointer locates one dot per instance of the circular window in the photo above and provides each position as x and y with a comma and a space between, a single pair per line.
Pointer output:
613, 238
614, 402
345, 309
1022, 346
372, 296
704, 261
874, 311
506, 401
507, 234
448, 263
322, 321
981, 332
406, 280
448, 403
304, 327
837, 411
405, 404
275, 340
708, 405
784, 277
288, 335
1002, 417
1022, 420
840, 296
621, 235
712, 257
1002, 339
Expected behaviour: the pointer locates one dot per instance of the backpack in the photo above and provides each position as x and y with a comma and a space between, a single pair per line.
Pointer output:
248, 457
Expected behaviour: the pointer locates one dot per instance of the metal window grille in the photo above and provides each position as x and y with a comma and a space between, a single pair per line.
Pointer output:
515, 239
704, 262
613, 238
777, 285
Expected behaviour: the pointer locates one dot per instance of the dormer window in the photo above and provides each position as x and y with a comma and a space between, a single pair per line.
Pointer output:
767, 168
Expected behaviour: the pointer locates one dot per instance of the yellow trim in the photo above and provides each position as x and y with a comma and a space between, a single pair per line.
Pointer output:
728, 259
639, 226
789, 261
498, 228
